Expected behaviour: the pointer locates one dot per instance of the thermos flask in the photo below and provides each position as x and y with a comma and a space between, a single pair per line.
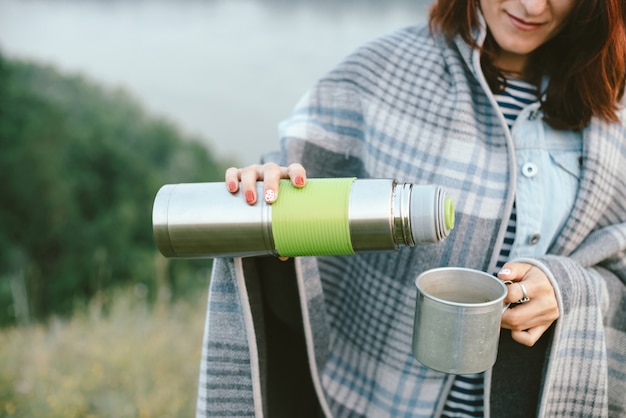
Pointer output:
335, 216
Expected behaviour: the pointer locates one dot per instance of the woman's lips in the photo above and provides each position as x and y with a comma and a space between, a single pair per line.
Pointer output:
523, 24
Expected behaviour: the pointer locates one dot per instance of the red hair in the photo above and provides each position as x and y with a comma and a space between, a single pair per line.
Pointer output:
585, 62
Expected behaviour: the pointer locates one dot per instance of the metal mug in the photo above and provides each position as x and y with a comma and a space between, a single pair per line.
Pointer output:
457, 319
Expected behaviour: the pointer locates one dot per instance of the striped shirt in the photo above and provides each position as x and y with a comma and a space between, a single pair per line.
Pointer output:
466, 395
517, 95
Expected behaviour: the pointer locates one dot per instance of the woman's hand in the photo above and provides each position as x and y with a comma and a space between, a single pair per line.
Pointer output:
529, 319
269, 173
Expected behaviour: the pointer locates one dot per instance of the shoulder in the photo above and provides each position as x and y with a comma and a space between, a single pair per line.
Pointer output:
414, 42
407, 56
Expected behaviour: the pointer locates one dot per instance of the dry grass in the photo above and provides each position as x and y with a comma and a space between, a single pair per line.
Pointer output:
131, 362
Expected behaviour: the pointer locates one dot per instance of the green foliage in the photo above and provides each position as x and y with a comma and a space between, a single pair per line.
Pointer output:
80, 168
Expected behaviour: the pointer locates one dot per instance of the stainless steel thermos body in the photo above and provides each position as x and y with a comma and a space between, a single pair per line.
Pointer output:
326, 217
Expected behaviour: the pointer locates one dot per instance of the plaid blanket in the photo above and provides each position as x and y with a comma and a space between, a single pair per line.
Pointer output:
416, 108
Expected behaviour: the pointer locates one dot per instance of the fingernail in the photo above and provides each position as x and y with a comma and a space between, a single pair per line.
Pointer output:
299, 181
504, 272
232, 186
270, 196
249, 196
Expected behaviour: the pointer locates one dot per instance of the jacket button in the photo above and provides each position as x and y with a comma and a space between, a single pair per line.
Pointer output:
534, 239
530, 170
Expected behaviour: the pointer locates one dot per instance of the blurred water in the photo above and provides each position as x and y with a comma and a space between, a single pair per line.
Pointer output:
226, 70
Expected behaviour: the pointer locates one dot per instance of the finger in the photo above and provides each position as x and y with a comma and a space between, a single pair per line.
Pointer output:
514, 271
522, 281
524, 316
249, 177
272, 174
540, 311
231, 178
519, 292
511, 273
529, 336
297, 174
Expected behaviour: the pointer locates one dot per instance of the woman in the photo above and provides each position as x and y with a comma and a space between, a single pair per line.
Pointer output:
515, 107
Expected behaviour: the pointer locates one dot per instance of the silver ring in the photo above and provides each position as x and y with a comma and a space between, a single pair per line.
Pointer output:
525, 298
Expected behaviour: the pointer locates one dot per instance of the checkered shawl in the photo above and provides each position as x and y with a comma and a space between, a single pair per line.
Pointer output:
416, 108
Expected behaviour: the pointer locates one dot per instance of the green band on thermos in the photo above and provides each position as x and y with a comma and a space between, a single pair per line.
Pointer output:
312, 220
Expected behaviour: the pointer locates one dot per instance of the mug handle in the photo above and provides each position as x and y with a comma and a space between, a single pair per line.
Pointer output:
506, 305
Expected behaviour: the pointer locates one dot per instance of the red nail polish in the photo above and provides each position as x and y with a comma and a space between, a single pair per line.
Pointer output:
232, 186
299, 181
249, 196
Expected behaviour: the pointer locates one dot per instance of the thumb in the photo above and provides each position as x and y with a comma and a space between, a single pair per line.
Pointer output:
514, 271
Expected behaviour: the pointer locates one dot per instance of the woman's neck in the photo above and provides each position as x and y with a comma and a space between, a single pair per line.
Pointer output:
513, 65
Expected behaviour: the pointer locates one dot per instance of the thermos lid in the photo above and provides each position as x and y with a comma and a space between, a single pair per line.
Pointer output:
432, 213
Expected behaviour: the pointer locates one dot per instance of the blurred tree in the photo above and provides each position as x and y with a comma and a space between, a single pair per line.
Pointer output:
80, 167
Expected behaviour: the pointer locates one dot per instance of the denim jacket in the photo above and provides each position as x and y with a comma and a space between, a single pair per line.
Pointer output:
548, 173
